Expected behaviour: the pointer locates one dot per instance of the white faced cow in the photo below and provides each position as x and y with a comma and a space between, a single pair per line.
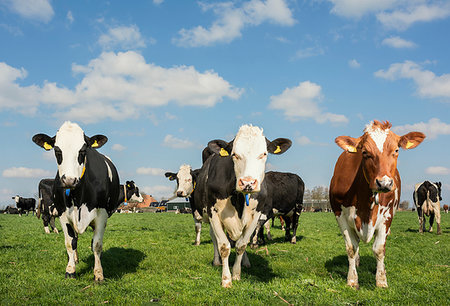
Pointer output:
85, 191
237, 169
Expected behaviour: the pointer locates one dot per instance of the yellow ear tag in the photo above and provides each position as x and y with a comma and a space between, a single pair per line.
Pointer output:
95, 144
193, 188
223, 152
82, 173
409, 144
278, 150
351, 149
47, 146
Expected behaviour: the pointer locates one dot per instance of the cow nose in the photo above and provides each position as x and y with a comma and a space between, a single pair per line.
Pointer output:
247, 184
70, 182
385, 184
180, 194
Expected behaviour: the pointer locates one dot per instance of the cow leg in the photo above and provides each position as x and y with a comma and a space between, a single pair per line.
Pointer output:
438, 218
198, 231
223, 246
431, 222
379, 250
288, 222
283, 228
52, 224
421, 223
295, 217
267, 226
45, 221
216, 261
97, 242
352, 248
71, 240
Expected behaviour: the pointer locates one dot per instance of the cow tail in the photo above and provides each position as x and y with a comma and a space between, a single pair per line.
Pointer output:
427, 205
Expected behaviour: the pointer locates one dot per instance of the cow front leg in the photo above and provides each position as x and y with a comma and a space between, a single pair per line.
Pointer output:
352, 248
198, 231
287, 234
295, 217
70, 239
379, 250
97, 243
223, 247
52, 224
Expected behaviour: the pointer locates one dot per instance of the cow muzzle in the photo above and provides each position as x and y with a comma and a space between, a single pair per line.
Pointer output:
385, 184
248, 184
69, 182
181, 194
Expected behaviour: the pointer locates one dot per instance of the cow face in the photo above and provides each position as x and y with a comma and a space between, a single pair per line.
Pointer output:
185, 180
70, 146
136, 195
379, 148
249, 152
16, 199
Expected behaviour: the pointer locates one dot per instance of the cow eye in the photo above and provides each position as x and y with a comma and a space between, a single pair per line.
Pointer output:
81, 155
366, 154
58, 155
234, 155
262, 155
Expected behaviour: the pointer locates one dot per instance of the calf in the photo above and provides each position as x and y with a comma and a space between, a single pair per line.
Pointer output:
186, 179
426, 199
46, 207
129, 191
284, 198
85, 190
231, 192
25, 204
365, 191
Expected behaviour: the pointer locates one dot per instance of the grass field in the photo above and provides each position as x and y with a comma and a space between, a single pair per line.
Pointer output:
151, 258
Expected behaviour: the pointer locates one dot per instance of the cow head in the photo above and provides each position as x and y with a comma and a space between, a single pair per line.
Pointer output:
70, 146
185, 180
249, 151
16, 199
136, 195
379, 148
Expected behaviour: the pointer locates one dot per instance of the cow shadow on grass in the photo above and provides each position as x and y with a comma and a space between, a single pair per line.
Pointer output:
116, 262
338, 266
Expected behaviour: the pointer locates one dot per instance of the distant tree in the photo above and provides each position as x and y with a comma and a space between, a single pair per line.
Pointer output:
319, 193
404, 205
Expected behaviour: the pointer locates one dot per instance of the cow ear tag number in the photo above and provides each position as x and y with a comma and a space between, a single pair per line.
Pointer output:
223, 152
47, 146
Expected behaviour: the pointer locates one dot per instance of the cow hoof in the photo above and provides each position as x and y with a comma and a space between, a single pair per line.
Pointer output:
382, 284
254, 246
269, 237
294, 240
197, 243
439, 232
353, 284
216, 263
236, 277
226, 283
55, 231
70, 275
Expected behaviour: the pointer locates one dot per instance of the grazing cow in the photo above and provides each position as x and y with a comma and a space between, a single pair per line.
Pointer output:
365, 191
46, 207
85, 191
25, 204
426, 199
186, 180
445, 208
129, 191
284, 198
236, 168
11, 210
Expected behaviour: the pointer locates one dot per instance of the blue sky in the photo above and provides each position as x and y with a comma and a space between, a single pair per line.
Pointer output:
162, 78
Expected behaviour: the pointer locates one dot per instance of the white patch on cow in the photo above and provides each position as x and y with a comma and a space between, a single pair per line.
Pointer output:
70, 139
109, 171
47, 231
250, 155
378, 135
80, 218
185, 183
138, 199
16, 198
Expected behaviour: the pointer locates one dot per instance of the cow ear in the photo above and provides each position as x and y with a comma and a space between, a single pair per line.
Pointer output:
278, 146
220, 147
96, 141
348, 143
172, 176
411, 140
44, 141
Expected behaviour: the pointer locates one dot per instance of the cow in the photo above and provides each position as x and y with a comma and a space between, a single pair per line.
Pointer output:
129, 191
85, 190
186, 179
25, 204
10, 210
427, 197
231, 192
445, 208
285, 198
365, 191
46, 207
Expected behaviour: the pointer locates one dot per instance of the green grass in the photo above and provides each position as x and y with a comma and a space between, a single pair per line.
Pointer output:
151, 257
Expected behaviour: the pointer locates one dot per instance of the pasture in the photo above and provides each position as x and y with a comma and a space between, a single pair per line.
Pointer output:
150, 258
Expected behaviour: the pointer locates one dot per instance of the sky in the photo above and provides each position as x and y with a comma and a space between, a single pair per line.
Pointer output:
161, 78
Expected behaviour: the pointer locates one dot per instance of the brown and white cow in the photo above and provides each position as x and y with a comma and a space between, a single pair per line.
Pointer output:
445, 208
365, 191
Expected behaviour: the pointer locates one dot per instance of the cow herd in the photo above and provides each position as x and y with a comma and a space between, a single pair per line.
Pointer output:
235, 195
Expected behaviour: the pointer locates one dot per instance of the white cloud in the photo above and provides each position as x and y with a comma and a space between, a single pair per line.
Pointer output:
358, 8
122, 37
37, 10
428, 84
158, 191
398, 42
303, 141
402, 19
118, 147
432, 129
302, 102
232, 20
115, 86
354, 64
158, 2
150, 171
69, 17
177, 143
309, 52
22, 172
437, 170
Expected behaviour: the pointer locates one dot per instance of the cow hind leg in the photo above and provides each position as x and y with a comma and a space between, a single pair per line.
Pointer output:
438, 220
216, 260
71, 240
431, 222
52, 224
288, 221
295, 217
97, 243
198, 231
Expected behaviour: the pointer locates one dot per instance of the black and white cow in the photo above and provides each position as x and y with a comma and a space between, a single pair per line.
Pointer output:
25, 204
186, 179
46, 207
231, 192
427, 197
129, 191
85, 191
285, 198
